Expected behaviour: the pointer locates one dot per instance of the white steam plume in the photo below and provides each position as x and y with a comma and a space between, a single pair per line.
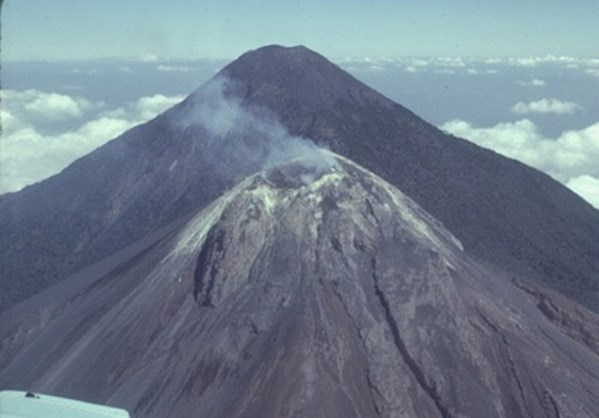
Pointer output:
251, 136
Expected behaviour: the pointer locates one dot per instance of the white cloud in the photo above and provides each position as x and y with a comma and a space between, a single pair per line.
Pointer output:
525, 61
9, 122
472, 71
536, 60
45, 106
535, 82
592, 72
55, 106
147, 57
586, 186
493, 61
438, 64
175, 68
30, 155
457, 62
444, 71
420, 62
572, 155
554, 106
148, 107
126, 69
363, 60
417, 64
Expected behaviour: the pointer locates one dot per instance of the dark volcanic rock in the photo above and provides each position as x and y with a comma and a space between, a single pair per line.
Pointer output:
336, 296
504, 212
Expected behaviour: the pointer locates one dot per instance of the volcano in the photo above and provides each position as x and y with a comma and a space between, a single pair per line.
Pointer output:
305, 291
288, 242
504, 212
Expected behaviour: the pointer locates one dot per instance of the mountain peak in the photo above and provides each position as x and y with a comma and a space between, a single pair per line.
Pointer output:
292, 77
296, 50
277, 54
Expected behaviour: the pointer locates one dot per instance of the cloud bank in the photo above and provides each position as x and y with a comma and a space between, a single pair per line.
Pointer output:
535, 82
474, 65
31, 152
175, 68
592, 72
553, 106
586, 186
43, 106
570, 158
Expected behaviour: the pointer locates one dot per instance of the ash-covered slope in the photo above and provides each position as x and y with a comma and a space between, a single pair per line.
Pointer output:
141, 181
308, 290
504, 212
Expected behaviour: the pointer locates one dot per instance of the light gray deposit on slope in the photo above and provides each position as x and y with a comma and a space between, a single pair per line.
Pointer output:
306, 292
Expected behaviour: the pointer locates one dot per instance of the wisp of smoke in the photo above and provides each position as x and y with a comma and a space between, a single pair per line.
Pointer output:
246, 138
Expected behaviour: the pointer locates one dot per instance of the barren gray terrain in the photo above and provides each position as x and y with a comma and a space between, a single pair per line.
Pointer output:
310, 289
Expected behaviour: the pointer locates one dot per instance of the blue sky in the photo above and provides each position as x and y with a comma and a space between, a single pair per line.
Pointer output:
76, 29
